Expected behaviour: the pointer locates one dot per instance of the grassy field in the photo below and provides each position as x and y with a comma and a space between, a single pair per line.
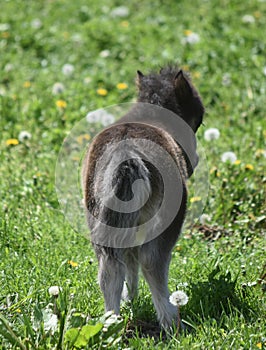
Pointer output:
59, 61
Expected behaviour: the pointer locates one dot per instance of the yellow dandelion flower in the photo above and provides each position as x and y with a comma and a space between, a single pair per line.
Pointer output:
61, 104
12, 142
5, 35
83, 137
66, 35
72, 263
249, 167
224, 106
260, 152
18, 310
102, 92
188, 32
237, 162
215, 171
196, 75
185, 67
124, 24
259, 345
252, 216
257, 14
121, 86
195, 199
27, 84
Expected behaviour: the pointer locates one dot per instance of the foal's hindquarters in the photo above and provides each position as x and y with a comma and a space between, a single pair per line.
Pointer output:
118, 264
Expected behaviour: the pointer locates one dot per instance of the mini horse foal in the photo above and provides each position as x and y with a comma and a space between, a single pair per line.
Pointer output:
111, 173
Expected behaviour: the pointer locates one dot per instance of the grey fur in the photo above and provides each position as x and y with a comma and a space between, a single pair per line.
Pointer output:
172, 90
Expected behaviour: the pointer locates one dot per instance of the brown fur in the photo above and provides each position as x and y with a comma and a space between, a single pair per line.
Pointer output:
171, 90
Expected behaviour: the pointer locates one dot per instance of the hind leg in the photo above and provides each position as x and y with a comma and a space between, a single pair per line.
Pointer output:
111, 277
132, 275
155, 265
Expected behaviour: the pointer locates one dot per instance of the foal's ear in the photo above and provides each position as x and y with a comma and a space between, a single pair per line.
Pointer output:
182, 86
140, 76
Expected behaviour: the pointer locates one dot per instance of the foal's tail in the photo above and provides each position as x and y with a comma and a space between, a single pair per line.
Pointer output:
123, 188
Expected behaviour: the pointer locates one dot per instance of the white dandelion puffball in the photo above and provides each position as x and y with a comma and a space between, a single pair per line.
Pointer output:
226, 80
58, 88
204, 219
178, 298
229, 157
67, 69
107, 119
120, 11
24, 135
8, 67
211, 134
105, 53
50, 324
93, 117
191, 38
54, 290
248, 19
36, 23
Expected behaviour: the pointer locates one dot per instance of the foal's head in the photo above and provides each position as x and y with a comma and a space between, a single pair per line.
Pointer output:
172, 89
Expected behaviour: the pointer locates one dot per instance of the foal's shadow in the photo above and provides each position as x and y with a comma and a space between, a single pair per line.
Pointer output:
216, 298
213, 298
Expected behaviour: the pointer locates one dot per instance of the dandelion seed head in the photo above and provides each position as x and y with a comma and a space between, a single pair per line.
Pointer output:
120, 11
178, 298
226, 80
229, 157
87, 80
24, 135
4, 27
8, 67
107, 119
190, 38
211, 134
50, 323
58, 88
204, 219
93, 117
105, 53
67, 69
36, 23
248, 19
54, 290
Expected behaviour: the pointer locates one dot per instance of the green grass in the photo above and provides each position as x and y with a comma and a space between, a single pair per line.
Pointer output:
218, 262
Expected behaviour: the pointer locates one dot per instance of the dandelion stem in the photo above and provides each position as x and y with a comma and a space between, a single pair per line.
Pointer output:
178, 321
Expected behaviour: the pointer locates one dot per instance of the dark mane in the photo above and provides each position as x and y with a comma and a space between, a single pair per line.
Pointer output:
172, 89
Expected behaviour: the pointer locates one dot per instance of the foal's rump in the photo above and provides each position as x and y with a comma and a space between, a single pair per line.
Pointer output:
133, 188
